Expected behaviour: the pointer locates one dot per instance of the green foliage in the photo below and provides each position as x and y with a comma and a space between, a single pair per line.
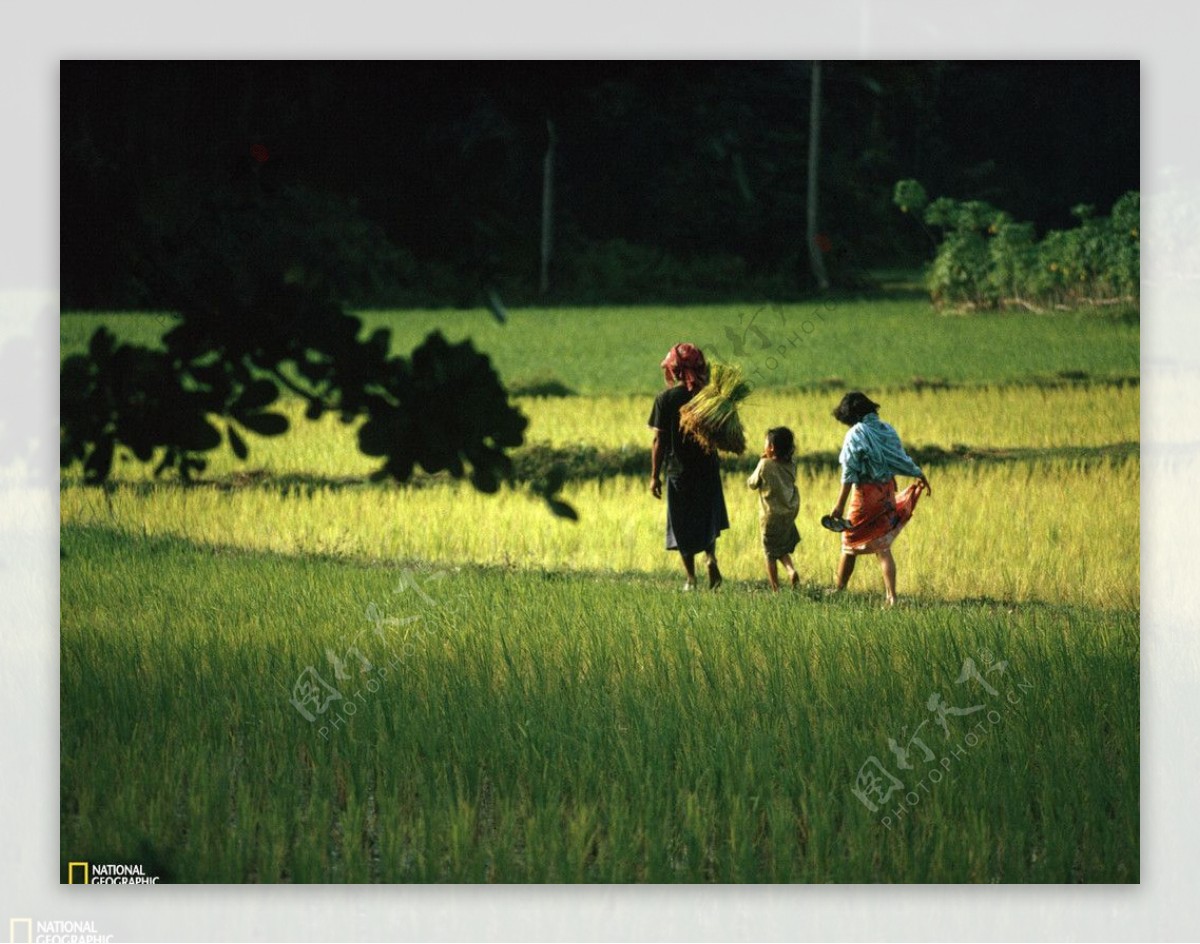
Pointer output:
910, 196
985, 259
1099, 259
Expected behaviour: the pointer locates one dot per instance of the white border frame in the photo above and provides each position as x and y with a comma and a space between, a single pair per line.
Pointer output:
1165, 906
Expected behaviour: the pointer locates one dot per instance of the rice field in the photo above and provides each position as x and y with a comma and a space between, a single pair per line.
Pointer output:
286, 674
988, 417
1011, 532
542, 727
598, 351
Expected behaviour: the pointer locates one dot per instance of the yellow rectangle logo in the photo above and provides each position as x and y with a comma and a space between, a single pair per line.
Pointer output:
13, 924
71, 873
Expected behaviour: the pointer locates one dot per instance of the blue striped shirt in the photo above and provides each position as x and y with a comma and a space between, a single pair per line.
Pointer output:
872, 452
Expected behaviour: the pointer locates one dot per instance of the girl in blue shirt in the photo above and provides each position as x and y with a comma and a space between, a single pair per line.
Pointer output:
872, 455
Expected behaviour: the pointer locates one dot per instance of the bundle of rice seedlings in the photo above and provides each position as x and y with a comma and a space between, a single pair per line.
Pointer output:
711, 416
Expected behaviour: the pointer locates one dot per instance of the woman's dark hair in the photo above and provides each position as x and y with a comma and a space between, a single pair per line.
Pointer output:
783, 443
854, 406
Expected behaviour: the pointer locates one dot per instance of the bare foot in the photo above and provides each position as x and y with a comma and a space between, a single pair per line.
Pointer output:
795, 580
714, 576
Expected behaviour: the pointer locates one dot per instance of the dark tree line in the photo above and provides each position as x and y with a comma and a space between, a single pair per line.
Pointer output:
258, 202
422, 183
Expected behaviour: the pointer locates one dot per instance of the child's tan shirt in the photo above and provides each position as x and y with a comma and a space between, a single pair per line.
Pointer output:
775, 482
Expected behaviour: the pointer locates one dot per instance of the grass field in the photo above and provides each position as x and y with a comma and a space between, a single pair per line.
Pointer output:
597, 351
523, 698
1032, 539
1012, 417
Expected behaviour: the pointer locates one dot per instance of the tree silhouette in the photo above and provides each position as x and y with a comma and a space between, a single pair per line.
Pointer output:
258, 312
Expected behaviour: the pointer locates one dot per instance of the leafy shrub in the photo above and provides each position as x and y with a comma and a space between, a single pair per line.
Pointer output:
910, 195
985, 259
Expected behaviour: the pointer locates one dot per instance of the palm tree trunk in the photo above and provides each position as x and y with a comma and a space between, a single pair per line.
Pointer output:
547, 207
815, 255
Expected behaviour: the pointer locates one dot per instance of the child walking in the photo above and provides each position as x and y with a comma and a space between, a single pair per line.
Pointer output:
871, 458
779, 502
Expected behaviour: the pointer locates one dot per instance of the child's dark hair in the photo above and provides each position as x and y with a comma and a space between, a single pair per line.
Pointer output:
783, 443
854, 406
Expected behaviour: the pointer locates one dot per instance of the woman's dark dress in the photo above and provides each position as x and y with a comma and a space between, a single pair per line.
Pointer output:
695, 501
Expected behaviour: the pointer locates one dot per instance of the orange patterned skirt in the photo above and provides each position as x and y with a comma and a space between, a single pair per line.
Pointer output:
877, 515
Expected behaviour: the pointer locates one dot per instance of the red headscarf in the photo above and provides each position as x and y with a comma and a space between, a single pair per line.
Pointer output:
685, 362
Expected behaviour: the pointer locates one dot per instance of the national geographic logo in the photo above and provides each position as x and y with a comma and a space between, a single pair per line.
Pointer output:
29, 931
108, 873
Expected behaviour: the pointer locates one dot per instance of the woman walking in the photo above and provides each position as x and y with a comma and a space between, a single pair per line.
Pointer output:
871, 457
696, 512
